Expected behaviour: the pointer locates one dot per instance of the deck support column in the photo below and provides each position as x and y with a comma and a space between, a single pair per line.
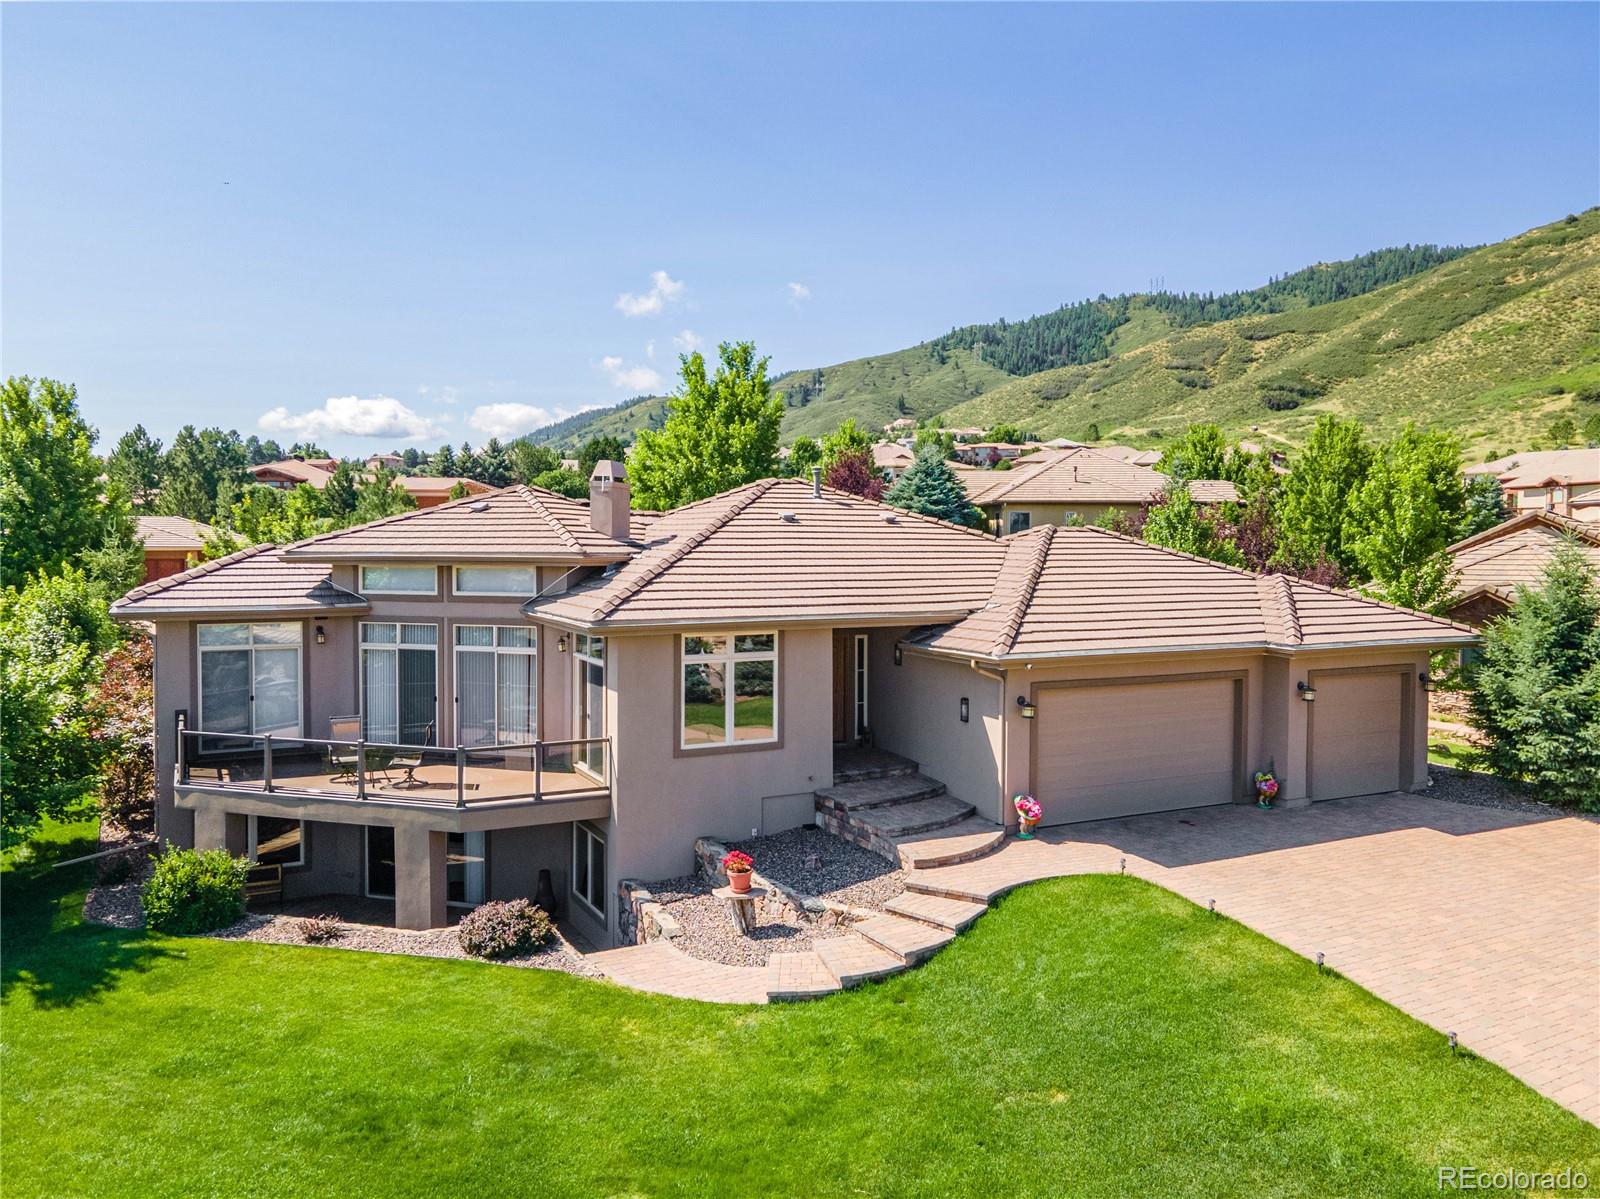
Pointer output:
217, 829
419, 877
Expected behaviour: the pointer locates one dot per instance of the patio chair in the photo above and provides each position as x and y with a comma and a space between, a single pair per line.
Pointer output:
409, 759
343, 760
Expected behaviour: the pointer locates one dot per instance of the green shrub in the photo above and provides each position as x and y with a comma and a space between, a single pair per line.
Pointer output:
503, 929
195, 891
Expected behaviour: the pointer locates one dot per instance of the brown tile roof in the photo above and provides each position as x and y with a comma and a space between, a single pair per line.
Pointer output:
1537, 467
1127, 453
254, 580
771, 552
305, 472
1083, 476
172, 532
439, 484
513, 524
1517, 551
891, 455
1081, 591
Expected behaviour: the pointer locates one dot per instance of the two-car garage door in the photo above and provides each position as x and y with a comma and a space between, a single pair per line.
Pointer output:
1117, 749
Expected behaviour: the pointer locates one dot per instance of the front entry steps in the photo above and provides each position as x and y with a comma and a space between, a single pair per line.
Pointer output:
950, 845
883, 803
953, 915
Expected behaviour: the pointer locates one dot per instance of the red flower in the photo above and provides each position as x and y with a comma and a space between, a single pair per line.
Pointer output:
738, 862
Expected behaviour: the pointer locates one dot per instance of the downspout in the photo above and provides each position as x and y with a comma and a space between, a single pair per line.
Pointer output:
1005, 740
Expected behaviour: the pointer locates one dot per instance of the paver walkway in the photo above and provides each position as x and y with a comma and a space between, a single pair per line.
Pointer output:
1473, 920
659, 967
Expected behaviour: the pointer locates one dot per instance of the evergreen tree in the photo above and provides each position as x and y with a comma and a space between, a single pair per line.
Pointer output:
459, 491
721, 432
930, 487
308, 449
136, 464
600, 449
1536, 688
1407, 511
202, 473
1313, 498
381, 496
496, 464
339, 494
412, 458
469, 463
1484, 505
442, 463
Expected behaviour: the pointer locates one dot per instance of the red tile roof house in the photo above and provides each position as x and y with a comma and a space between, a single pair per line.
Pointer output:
460, 698
1566, 482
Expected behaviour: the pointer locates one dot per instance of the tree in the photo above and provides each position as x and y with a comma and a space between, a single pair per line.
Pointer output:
1199, 452
563, 481
202, 473
469, 463
930, 487
1536, 688
853, 472
308, 449
720, 432
848, 438
1177, 522
803, 455
442, 464
528, 461
50, 510
412, 457
1406, 513
339, 493
1313, 498
381, 496
136, 464
599, 449
496, 464
1094, 432
257, 451
1562, 432
1008, 434
942, 440
1483, 505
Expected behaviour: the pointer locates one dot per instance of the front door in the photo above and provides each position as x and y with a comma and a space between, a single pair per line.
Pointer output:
849, 686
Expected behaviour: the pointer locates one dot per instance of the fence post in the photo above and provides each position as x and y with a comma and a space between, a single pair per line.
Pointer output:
361, 768
266, 761
538, 769
181, 716
461, 776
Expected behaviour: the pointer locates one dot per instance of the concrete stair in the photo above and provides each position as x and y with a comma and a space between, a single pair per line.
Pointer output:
911, 941
864, 794
953, 915
949, 845
883, 803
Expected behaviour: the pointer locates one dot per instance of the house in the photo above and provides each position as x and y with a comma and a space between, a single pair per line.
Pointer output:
430, 490
900, 426
291, 472
1080, 484
1491, 564
385, 462
892, 460
1127, 453
447, 705
169, 542
1566, 482
987, 453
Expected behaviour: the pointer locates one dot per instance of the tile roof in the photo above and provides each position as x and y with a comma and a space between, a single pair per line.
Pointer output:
1128, 453
1080, 591
513, 524
773, 552
1084, 476
890, 455
306, 472
172, 532
254, 580
435, 484
1536, 467
1517, 551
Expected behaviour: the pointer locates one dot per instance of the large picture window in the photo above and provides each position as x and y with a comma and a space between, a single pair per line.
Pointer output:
589, 868
399, 580
729, 694
250, 678
496, 580
496, 685
399, 683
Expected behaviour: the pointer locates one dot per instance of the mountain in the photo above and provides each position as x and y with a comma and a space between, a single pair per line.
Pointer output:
1469, 334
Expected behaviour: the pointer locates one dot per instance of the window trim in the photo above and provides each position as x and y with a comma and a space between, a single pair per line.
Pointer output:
582, 834
249, 647
365, 590
457, 589
730, 659
531, 651
1011, 521
252, 841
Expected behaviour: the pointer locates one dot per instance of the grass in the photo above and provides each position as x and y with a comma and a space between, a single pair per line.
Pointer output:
1094, 1036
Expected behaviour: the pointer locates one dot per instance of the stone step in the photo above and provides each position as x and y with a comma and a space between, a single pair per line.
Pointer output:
911, 941
854, 960
929, 883
951, 914
878, 792
793, 976
963, 842
853, 765
892, 822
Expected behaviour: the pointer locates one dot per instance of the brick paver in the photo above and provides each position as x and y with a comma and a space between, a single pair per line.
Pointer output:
660, 968
1473, 920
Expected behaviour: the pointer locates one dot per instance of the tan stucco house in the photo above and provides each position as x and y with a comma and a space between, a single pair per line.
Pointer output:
1565, 482
441, 705
1491, 565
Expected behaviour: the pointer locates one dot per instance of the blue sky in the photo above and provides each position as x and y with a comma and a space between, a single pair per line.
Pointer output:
385, 225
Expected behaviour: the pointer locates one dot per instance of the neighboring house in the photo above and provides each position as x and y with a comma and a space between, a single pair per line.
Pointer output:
386, 461
892, 460
291, 472
430, 491
169, 543
520, 683
1491, 564
902, 425
1566, 482
1081, 484
987, 453
1126, 453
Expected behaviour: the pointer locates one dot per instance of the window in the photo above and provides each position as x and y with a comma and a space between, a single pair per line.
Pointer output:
729, 690
589, 868
589, 656
1016, 522
250, 678
496, 580
465, 859
399, 580
399, 683
275, 841
496, 685
861, 684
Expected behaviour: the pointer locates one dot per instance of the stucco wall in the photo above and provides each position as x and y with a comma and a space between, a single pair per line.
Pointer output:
334, 862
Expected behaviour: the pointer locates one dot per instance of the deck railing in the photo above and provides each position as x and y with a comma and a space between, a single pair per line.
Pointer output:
431, 775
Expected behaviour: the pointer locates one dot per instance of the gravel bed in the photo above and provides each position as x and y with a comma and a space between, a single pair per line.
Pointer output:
1480, 790
116, 904
815, 862
375, 938
709, 932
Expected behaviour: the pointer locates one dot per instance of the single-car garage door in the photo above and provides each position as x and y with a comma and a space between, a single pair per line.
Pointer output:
1118, 749
1357, 729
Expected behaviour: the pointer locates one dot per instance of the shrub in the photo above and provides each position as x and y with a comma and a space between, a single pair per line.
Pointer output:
503, 928
195, 891
319, 930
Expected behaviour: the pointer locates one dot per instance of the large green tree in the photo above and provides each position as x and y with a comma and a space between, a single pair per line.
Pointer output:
930, 487
1199, 452
847, 440
529, 461
136, 464
599, 449
202, 473
50, 505
1313, 498
720, 432
1401, 519
381, 496
1177, 522
1536, 689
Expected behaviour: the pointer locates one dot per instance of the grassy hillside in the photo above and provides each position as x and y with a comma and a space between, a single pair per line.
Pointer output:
1491, 345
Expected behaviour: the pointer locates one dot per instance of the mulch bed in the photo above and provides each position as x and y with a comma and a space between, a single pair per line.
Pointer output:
1480, 790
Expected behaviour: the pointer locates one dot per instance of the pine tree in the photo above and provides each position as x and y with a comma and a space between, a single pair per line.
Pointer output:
136, 464
339, 495
930, 487
382, 496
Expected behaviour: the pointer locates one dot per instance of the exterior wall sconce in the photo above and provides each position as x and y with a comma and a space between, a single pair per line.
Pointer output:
1307, 693
1427, 683
966, 710
561, 644
322, 635
899, 658
1028, 710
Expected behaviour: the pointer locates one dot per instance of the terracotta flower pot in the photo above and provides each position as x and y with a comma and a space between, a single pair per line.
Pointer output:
739, 880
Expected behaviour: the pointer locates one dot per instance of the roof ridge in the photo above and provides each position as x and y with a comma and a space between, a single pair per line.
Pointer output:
654, 570
199, 570
1538, 516
1363, 597
1007, 636
563, 534
1278, 609
384, 521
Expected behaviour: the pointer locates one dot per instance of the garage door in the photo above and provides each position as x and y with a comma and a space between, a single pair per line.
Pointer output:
1356, 734
1144, 747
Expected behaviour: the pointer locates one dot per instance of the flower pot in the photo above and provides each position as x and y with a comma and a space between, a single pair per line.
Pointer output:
1026, 826
739, 880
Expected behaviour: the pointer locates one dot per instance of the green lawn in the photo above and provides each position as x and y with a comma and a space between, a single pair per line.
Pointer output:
1094, 1036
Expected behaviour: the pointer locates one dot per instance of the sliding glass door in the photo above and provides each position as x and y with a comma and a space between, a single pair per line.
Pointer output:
400, 683
250, 678
590, 657
496, 685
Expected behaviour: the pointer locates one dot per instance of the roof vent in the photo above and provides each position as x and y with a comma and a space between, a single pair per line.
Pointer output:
478, 506
890, 518
788, 517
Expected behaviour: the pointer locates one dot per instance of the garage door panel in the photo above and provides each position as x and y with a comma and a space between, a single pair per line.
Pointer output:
1116, 750
1356, 734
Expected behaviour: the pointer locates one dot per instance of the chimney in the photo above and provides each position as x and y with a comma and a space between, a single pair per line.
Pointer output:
816, 482
609, 502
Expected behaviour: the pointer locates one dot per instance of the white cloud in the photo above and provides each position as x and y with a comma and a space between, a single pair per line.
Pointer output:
664, 290
445, 395
688, 341
510, 420
634, 378
353, 416
650, 348
797, 292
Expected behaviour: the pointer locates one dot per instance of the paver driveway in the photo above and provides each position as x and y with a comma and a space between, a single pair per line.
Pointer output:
1474, 920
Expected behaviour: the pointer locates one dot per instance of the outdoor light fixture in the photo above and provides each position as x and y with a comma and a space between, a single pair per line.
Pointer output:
1307, 693
1028, 710
1427, 683
966, 710
899, 658
561, 644
322, 635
